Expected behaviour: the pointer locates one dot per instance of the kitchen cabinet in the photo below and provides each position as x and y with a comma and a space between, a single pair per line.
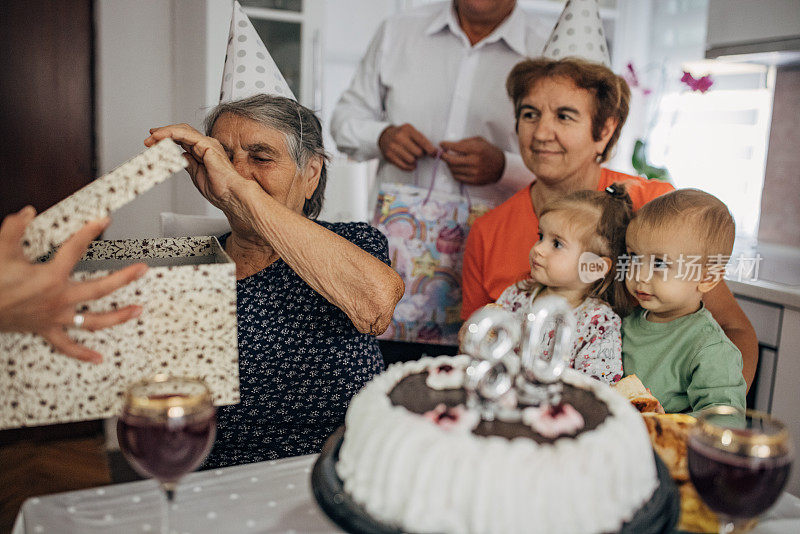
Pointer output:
775, 389
738, 27
766, 319
743, 21
785, 401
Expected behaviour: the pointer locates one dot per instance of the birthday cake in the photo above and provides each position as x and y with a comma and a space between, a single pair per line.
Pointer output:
415, 456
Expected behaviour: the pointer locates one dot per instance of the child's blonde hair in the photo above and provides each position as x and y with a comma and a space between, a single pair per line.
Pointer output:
699, 214
601, 218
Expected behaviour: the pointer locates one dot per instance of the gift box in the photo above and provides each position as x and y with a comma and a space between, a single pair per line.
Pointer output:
187, 326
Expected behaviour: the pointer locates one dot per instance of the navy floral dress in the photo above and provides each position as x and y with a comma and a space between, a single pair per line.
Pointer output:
301, 360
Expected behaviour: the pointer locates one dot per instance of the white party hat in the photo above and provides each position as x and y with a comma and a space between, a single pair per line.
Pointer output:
249, 69
579, 32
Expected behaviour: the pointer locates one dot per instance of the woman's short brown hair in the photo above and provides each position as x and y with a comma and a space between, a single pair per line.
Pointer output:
611, 94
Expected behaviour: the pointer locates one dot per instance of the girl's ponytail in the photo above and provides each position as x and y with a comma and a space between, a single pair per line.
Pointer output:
616, 211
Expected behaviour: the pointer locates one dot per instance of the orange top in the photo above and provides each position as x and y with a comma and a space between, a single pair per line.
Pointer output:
498, 244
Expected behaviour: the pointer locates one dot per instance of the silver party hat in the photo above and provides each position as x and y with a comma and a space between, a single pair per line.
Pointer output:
579, 32
249, 68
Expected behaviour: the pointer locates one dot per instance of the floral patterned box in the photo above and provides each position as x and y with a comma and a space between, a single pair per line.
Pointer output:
187, 327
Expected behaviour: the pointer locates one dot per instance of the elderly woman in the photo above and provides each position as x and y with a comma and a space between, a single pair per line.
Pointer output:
569, 114
311, 296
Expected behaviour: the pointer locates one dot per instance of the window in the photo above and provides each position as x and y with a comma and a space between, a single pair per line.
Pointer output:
715, 141
292, 33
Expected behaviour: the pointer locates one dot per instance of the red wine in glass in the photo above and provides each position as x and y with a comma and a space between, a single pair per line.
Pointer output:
734, 485
166, 429
739, 462
166, 449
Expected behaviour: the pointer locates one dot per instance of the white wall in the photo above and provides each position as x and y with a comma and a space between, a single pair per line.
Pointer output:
196, 80
631, 45
153, 69
134, 93
345, 43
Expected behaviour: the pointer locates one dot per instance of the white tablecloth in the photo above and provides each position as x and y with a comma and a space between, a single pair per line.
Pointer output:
263, 497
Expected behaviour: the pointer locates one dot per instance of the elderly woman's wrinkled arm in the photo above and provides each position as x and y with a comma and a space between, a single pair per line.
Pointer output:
359, 284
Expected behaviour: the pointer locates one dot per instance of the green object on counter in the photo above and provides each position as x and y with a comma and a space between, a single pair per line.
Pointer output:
639, 161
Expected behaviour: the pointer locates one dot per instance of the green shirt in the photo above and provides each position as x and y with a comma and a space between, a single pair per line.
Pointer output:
687, 363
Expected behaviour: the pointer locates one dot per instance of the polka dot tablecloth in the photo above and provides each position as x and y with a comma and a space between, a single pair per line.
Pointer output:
264, 497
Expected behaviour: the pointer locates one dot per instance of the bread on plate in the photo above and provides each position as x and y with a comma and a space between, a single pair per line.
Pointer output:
632, 388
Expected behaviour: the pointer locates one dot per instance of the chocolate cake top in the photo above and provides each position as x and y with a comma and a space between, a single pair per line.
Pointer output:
413, 394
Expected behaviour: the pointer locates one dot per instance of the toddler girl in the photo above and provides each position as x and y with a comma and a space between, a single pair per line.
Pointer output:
581, 236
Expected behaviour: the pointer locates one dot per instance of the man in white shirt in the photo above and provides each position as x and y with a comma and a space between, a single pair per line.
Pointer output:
434, 77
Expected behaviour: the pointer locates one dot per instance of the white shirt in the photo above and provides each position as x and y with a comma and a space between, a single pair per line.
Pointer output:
421, 69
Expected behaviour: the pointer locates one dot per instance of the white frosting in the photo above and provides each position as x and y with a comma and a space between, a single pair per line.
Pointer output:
546, 424
406, 470
439, 379
455, 419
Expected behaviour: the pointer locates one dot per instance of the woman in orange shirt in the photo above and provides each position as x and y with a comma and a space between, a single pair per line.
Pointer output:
569, 114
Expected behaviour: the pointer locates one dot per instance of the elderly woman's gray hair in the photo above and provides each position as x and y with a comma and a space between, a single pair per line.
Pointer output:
299, 125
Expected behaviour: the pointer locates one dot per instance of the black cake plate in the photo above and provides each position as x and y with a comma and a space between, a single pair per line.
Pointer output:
658, 516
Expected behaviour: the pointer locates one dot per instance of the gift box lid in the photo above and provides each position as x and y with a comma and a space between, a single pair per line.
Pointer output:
102, 197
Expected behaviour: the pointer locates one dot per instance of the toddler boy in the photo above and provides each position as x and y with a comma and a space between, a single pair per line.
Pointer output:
678, 245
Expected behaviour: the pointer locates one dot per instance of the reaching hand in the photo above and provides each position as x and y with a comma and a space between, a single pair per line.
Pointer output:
41, 298
404, 145
474, 161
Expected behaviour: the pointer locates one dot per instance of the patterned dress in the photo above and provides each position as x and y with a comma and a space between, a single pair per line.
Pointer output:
301, 360
597, 350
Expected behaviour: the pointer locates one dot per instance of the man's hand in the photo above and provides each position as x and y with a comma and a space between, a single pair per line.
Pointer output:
474, 161
403, 145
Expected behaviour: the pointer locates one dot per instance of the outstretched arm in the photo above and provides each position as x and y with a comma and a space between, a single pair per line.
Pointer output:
41, 298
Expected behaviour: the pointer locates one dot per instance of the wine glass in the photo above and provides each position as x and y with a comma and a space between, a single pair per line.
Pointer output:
166, 430
739, 461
